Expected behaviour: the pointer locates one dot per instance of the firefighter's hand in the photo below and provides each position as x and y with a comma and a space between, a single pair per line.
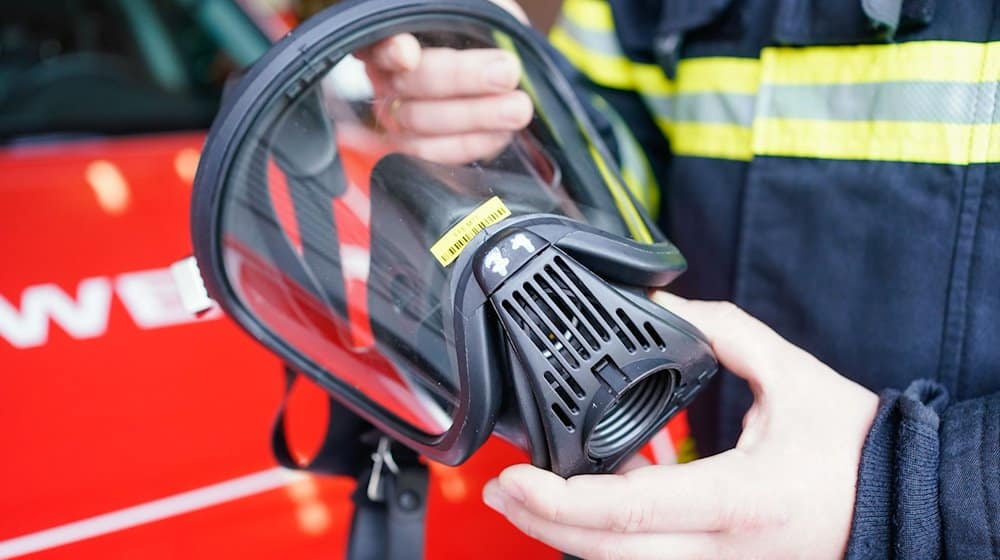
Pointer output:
447, 105
786, 491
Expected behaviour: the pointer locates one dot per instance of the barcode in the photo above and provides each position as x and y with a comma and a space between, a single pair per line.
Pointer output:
451, 244
473, 229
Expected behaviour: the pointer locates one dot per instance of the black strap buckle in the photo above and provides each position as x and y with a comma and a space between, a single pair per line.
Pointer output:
390, 507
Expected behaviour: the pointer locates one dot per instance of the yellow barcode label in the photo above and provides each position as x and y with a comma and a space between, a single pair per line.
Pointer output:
450, 246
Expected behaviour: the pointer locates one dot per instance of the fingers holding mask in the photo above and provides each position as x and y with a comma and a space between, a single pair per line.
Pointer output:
507, 112
456, 149
444, 102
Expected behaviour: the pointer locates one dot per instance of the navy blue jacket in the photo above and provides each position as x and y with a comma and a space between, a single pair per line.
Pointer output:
850, 198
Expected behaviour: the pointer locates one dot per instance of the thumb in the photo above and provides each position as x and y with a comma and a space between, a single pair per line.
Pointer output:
634, 462
743, 344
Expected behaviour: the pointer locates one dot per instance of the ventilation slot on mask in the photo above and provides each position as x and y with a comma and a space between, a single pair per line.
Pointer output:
553, 349
657, 339
609, 323
561, 327
632, 328
561, 391
595, 357
570, 302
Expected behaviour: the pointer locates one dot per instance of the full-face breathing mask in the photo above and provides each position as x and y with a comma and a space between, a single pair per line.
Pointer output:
442, 302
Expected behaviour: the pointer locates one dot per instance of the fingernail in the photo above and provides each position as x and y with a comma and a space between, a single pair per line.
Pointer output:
515, 109
502, 73
404, 57
397, 54
493, 497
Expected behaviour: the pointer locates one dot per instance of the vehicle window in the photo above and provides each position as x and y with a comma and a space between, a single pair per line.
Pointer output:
98, 67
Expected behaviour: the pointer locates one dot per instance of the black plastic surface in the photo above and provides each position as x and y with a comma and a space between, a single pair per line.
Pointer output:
297, 62
587, 352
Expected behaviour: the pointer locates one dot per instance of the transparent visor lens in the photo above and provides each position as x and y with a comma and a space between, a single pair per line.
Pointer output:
355, 191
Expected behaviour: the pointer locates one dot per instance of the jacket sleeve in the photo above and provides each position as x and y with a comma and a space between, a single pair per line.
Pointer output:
929, 479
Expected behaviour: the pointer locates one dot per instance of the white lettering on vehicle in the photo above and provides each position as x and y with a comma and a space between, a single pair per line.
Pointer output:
150, 296
153, 300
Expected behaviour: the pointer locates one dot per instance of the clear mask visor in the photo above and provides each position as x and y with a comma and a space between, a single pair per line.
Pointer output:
347, 206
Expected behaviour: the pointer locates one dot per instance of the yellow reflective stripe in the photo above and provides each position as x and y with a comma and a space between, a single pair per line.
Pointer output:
609, 71
595, 14
915, 61
850, 117
636, 226
959, 135
709, 80
878, 140
718, 73
594, 17
712, 140
698, 75
694, 75
586, 38
729, 141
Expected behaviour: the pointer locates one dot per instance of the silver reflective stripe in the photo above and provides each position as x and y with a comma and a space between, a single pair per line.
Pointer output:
711, 107
933, 102
937, 102
187, 277
596, 40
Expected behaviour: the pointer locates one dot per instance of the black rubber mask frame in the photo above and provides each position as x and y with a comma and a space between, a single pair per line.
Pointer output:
563, 354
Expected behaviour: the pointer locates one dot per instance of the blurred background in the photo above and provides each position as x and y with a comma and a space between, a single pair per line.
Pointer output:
132, 430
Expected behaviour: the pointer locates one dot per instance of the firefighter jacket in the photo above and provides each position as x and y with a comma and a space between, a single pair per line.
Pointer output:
833, 168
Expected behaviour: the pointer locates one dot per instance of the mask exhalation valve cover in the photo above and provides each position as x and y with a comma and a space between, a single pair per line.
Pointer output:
599, 363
